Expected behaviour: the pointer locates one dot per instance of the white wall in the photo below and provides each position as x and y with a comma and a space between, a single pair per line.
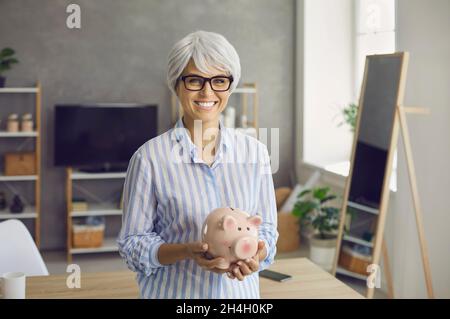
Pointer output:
423, 29
328, 78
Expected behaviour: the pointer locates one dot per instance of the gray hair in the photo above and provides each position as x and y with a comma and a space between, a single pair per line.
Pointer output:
207, 49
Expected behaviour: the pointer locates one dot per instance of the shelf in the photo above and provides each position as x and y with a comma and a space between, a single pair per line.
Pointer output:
363, 208
28, 212
109, 245
19, 90
245, 90
18, 178
19, 134
98, 210
82, 175
20, 137
342, 271
358, 241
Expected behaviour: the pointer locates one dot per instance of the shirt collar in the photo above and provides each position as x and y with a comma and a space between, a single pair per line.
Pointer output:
180, 133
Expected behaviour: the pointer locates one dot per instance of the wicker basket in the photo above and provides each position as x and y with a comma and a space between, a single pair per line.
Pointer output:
354, 261
87, 236
23, 163
289, 232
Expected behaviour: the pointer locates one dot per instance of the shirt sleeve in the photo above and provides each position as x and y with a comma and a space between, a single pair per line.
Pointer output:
138, 242
268, 209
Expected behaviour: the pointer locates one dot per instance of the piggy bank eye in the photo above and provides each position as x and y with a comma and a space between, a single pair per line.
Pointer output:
248, 228
239, 228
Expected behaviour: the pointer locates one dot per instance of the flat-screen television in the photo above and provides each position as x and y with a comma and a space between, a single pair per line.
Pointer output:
101, 137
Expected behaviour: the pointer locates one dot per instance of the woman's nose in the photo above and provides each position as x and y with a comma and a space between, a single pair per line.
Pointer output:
207, 89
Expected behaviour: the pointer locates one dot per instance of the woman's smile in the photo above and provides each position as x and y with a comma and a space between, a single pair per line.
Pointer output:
205, 105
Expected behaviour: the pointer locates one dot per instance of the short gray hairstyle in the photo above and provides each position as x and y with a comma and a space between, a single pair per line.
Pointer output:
207, 49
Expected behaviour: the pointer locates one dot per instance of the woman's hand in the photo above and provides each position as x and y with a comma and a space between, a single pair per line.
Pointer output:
197, 250
246, 267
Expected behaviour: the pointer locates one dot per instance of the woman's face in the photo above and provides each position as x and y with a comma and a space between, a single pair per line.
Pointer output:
206, 104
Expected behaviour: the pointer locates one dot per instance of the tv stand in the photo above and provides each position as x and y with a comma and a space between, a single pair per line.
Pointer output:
77, 187
103, 169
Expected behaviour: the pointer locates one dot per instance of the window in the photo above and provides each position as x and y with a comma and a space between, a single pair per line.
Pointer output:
337, 37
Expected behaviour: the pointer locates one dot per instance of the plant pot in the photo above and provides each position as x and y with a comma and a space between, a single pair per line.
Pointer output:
2, 81
322, 251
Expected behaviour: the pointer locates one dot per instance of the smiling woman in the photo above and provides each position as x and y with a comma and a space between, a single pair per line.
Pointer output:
166, 200
210, 70
199, 96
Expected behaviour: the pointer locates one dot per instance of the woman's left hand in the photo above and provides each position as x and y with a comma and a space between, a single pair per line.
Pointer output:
246, 267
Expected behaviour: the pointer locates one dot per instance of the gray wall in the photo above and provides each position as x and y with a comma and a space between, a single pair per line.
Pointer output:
119, 55
423, 29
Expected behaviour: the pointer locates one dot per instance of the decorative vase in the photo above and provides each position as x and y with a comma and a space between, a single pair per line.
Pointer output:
13, 123
17, 205
2, 201
27, 123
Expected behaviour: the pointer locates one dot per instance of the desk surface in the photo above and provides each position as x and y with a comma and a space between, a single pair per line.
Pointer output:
308, 281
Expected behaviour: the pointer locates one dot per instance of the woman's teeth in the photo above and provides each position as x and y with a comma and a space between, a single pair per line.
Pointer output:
205, 105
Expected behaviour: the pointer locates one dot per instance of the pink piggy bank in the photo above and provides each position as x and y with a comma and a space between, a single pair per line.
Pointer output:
232, 234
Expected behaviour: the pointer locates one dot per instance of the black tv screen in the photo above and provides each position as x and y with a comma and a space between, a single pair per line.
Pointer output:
102, 136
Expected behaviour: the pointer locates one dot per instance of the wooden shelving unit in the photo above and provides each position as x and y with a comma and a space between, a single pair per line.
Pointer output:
246, 90
30, 211
102, 209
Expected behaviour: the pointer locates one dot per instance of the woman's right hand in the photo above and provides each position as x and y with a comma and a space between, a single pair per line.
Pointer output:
197, 250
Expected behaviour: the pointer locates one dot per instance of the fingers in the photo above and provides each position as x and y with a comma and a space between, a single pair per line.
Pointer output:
261, 245
252, 264
244, 268
261, 253
209, 264
231, 275
237, 273
196, 248
199, 247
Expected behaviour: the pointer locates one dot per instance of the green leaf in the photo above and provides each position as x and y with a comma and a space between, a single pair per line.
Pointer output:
304, 193
332, 211
323, 219
10, 61
327, 198
320, 193
6, 52
301, 209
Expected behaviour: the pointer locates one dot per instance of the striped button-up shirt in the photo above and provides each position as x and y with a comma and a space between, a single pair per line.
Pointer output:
168, 193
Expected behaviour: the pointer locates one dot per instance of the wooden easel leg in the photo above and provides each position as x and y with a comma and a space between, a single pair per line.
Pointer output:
415, 195
376, 255
387, 270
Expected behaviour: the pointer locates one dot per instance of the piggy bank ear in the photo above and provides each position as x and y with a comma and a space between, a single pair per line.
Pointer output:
229, 223
255, 220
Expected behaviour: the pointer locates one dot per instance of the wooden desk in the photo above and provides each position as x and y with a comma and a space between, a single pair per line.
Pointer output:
309, 281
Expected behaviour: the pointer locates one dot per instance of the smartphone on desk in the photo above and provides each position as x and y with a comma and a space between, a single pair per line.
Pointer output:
277, 276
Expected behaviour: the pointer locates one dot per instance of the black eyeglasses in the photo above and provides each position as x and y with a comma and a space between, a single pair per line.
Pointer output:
218, 83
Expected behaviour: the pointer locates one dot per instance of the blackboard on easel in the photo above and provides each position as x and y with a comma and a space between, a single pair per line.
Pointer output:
380, 116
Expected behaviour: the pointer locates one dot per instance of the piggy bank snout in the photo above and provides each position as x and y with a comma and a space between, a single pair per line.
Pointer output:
245, 247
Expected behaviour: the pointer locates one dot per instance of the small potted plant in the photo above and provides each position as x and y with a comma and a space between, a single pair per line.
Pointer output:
350, 114
6, 60
312, 208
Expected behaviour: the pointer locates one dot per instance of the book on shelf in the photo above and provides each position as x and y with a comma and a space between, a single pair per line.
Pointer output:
79, 205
